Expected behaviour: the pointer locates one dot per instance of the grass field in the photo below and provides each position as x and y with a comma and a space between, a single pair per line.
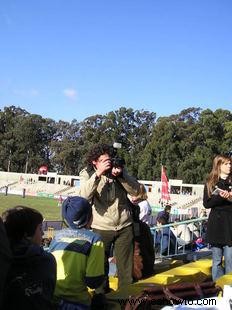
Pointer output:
47, 206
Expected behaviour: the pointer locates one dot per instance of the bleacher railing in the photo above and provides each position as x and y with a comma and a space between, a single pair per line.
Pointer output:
177, 239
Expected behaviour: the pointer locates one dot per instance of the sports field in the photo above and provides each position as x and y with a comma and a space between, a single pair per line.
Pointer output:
47, 206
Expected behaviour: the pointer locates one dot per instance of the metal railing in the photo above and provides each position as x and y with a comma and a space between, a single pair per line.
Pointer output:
179, 239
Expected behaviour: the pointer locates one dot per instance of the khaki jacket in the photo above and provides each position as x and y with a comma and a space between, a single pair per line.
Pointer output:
109, 199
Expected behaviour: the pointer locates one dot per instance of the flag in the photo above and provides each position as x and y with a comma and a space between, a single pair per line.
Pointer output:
164, 183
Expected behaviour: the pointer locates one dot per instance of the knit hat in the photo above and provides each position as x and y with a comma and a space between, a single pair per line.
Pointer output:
76, 211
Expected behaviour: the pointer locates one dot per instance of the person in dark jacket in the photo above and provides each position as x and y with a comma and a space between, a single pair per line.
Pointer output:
165, 240
5, 259
165, 213
218, 197
32, 276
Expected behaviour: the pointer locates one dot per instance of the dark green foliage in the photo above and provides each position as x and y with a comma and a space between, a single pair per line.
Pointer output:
185, 143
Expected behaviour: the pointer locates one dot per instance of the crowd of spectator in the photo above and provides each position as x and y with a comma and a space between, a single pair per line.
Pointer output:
99, 223
175, 237
111, 217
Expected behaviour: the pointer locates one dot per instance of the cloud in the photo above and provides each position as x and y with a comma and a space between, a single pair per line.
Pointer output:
5, 17
26, 92
70, 93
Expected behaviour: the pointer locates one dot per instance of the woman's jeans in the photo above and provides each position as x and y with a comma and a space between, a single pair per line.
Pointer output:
217, 254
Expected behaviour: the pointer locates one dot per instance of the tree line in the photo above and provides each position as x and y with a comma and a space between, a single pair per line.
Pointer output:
185, 143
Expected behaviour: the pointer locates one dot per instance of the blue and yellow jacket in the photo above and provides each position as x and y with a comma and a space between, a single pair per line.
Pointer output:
80, 264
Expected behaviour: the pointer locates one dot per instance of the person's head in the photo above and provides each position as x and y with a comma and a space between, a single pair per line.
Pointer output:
168, 208
222, 165
23, 223
161, 221
98, 152
141, 196
77, 212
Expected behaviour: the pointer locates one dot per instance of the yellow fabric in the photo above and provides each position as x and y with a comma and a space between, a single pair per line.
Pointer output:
193, 272
224, 280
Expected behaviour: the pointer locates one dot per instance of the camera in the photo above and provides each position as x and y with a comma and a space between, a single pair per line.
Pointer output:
117, 162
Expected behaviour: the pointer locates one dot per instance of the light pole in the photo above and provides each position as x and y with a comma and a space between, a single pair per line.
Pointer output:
27, 161
9, 162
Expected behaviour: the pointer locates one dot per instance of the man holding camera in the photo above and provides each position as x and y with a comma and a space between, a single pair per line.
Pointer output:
105, 183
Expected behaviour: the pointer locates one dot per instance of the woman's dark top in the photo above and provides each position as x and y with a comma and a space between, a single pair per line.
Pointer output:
219, 226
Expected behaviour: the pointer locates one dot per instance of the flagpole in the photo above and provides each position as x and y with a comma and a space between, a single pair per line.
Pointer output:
161, 198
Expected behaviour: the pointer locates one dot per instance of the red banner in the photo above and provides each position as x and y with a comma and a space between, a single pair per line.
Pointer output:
165, 188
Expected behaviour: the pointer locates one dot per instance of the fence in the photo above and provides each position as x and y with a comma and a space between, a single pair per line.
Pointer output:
179, 239
50, 227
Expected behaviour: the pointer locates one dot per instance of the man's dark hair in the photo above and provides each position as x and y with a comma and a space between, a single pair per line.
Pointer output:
21, 222
97, 151
168, 208
162, 220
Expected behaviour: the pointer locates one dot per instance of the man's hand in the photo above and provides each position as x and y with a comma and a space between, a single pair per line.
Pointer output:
102, 165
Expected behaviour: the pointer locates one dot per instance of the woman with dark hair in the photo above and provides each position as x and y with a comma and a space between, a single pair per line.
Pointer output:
31, 280
218, 197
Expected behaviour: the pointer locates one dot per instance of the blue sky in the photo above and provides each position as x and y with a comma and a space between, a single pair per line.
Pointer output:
67, 59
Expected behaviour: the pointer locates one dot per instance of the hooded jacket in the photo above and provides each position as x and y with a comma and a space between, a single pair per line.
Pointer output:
31, 279
108, 197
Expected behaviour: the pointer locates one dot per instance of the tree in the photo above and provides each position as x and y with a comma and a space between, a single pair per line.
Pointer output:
185, 143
